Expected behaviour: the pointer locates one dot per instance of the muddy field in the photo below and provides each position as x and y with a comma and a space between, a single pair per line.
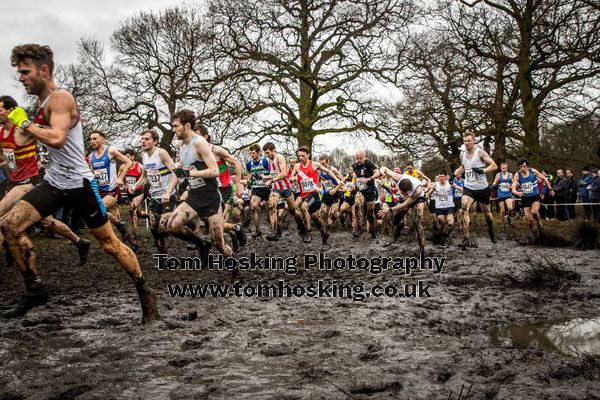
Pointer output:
480, 331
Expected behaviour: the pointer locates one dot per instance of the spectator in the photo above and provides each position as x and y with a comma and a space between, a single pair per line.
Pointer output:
547, 201
594, 190
571, 193
560, 188
583, 193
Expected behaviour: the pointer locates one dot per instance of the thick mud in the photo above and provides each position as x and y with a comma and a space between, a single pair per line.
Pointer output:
87, 342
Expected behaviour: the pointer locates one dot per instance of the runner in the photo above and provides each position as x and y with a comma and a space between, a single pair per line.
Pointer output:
414, 201
200, 167
18, 151
134, 185
389, 199
68, 181
158, 171
525, 186
503, 181
280, 190
308, 179
475, 164
103, 162
331, 190
457, 192
226, 185
444, 204
365, 173
258, 167
348, 200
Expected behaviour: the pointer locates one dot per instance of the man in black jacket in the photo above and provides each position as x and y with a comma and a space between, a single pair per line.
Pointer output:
594, 190
560, 189
571, 193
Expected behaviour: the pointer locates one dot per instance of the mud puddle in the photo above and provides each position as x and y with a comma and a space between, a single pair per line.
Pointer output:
571, 337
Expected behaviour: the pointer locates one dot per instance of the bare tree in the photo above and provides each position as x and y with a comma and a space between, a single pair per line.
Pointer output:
553, 45
304, 68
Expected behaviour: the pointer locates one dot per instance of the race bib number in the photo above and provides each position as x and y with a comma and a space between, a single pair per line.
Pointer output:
308, 185
470, 176
294, 185
154, 178
130, 181
504, 187
9, 156
527, 187
328, 185
361, 184
101, 176
349, 186
442, 197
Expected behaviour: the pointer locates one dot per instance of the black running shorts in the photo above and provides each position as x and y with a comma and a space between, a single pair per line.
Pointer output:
47, 199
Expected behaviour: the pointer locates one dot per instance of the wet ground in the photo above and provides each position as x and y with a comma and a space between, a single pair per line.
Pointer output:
478, 332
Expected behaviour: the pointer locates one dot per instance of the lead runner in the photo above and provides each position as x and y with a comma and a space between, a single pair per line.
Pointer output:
68, 181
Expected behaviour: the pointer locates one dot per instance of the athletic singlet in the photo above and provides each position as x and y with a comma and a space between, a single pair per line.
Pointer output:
132, 176
257, 169
457, 194
274, 170
350, 188
308, 179
224, 178
415, 184
504, 191
192, 161
66, 167
293, 184
473, 180
364, 171
158, 174
388, 197
105, 171
443, 198
529, 185
328, 182
20, 160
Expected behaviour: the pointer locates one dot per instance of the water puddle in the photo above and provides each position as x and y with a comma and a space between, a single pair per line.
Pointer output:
580, 334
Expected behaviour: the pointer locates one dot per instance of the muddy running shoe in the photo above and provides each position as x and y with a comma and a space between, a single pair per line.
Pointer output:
147, 297
241, 235
324, 237
31, 299
125, 234
235, 244
256, 234
273, 236
307, 238
492, 235
468, 242
83, 248
509, 219
203, 250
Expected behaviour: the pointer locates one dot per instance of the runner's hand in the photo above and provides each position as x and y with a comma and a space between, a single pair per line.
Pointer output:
18, 116
119, 181
383, 212
165, 198
478, 170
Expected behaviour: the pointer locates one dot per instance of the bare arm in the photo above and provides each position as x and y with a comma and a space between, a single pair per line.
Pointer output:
62, 113
127, 163
496, 180
203, 150
237, 167
490, 164
168, 161
459, 171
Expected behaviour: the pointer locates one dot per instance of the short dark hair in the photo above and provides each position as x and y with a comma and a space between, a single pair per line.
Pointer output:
304, 149
129, 151
269, 146
523, 161
405, 185
199, 126
39, 55
152, 133
185, 116
409, 163
324, 157
8, 102
442, 172
99, 133
255, 147
585, 169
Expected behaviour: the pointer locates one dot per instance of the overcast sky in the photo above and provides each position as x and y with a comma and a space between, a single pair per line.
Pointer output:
61, 23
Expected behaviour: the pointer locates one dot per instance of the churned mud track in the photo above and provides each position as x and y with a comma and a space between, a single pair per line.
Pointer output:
87, 343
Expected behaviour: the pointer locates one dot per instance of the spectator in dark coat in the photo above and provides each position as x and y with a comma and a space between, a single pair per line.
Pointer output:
571, 193
583, 194
560, 186
594, 190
